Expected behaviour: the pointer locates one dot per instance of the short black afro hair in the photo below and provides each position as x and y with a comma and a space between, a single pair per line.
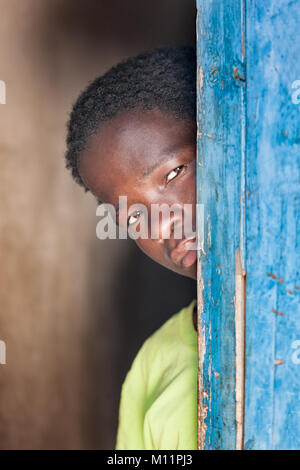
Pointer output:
164, 78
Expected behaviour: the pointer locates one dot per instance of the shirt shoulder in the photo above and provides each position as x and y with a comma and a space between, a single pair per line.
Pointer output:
162, 374
169, 350
178, 330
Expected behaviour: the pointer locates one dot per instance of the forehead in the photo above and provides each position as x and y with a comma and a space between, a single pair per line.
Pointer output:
128, 146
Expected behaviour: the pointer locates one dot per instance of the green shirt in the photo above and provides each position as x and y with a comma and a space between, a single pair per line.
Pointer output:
158, 406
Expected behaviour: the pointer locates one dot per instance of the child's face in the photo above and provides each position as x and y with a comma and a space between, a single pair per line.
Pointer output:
135, 155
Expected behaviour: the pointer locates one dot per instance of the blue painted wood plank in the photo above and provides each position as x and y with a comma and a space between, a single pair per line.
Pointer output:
248, 177
220, 164
272, 408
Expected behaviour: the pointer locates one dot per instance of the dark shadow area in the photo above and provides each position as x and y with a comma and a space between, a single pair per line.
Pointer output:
143, 296
134, 24
148, 294
92, 36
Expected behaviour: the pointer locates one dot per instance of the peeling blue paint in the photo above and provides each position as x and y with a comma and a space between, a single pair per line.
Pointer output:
248, 180
272, 412
221, 163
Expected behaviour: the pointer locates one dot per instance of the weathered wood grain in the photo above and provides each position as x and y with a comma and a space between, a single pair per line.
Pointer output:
248, 177
272, 412
221, 82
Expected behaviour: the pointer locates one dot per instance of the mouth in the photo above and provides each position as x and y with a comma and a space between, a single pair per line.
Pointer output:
185, 254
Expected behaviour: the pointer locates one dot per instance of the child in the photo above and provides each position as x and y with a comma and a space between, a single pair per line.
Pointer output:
132, 132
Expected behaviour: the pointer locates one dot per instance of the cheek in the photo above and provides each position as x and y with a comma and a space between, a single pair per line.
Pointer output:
153, 249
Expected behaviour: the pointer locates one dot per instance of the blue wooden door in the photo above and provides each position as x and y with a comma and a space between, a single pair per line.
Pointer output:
248, 181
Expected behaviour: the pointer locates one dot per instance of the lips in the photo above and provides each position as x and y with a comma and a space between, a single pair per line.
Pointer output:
184, 254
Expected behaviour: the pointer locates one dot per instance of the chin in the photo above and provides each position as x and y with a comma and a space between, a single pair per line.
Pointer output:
190, 272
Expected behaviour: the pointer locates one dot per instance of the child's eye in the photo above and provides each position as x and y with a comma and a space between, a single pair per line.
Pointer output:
170, 176
134, 217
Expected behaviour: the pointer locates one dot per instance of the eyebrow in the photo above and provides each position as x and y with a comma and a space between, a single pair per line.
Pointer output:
167, 155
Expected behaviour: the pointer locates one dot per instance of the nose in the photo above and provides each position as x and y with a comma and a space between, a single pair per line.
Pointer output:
181, 225
170, 229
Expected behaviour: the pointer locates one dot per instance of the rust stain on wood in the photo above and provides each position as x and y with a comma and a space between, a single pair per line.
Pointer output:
272, 275
236, 75
277, 312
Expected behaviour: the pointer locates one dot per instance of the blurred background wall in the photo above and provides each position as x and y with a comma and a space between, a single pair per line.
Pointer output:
74, 310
